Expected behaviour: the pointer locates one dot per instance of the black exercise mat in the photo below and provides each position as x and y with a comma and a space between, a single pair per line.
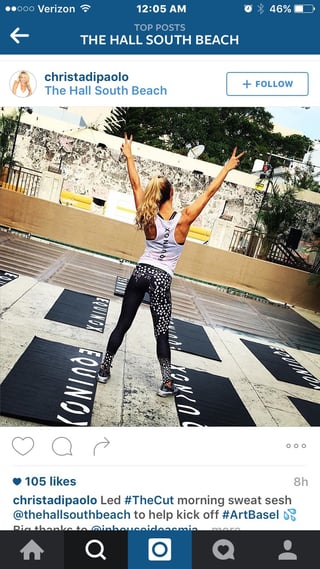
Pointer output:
208, 400
120, 289
289, 327
309, 410
51, 384
6, 277
191, 338
282, 365
81, 310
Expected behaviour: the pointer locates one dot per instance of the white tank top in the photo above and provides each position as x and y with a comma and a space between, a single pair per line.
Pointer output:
163, 251
21, 93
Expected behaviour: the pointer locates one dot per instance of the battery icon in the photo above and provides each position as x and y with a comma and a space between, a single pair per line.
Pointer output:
304, 8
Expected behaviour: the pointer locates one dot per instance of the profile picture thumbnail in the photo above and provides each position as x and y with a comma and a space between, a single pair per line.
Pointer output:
23, 83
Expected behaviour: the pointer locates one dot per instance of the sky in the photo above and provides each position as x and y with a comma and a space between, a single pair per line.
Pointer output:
304, 120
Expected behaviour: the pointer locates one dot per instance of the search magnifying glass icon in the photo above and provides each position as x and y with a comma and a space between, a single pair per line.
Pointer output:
96, 551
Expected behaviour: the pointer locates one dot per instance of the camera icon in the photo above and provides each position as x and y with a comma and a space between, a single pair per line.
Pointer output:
248, 8
159, 549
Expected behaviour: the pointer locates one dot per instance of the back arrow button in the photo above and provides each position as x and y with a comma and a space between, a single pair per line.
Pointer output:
15, 35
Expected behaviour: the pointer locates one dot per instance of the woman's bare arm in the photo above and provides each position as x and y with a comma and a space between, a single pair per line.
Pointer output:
191, 212
126, 149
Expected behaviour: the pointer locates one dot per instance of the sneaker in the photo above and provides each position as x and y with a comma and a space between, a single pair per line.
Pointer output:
104, 374
167, 388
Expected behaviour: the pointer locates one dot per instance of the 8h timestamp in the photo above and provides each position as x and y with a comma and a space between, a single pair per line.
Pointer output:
162, 9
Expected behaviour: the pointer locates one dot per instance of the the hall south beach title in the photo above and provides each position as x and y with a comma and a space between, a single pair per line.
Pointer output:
159, 39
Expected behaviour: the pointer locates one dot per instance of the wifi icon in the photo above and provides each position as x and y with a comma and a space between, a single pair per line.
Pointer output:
85, 7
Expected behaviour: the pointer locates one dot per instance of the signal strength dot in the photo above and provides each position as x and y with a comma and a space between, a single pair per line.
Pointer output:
85, 7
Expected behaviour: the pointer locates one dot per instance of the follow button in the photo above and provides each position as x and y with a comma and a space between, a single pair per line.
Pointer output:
259, 84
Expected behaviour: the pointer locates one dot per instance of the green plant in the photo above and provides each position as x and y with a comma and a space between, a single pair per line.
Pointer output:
314, 278
279, 211
7, 129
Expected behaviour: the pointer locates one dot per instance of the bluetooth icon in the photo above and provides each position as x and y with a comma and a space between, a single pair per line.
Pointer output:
260, 8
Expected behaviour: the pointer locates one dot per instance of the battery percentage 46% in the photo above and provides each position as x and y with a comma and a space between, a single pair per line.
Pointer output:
280, 9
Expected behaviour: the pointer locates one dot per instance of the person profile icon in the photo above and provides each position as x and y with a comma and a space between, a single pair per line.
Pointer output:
23, 84
287, 555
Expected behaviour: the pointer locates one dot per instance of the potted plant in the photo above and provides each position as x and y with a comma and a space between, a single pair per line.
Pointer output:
278, 213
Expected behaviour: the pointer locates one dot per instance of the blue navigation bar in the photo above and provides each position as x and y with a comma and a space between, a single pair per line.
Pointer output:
164, 27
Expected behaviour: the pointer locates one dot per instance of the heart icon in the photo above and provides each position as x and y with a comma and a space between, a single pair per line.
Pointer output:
23, 446
223, 549
16, 481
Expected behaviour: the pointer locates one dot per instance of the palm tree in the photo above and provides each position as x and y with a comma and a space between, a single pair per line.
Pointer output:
278, 213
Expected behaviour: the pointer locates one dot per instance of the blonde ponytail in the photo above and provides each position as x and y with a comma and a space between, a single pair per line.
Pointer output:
157, 192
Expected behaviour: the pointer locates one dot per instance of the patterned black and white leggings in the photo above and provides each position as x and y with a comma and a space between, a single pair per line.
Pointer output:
157, 282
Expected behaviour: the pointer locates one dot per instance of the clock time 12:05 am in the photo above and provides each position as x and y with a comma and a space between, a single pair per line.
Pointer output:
162, 8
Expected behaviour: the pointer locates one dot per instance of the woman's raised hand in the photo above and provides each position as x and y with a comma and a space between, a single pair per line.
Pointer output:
126, 146
234, 160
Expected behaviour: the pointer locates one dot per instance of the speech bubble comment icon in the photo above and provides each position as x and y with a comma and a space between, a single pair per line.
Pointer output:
223, 549
62, 446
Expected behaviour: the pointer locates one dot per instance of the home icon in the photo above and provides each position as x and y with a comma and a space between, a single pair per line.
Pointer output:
31, 551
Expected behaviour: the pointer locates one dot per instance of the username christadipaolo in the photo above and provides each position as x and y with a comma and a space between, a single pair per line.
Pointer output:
91, 76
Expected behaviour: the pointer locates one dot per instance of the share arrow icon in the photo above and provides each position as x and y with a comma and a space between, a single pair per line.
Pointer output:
15, 35
102, 444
